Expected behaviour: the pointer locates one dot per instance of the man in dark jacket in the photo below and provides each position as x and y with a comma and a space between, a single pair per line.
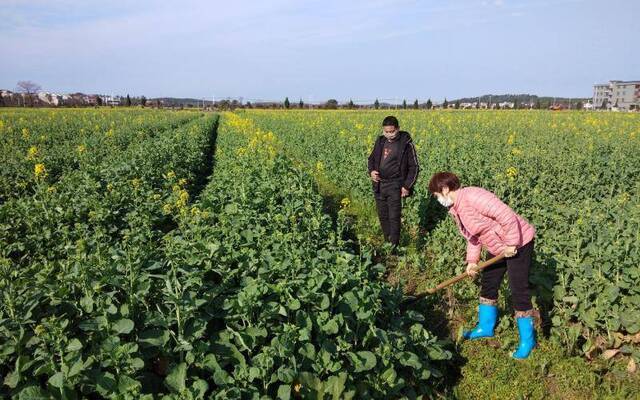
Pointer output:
393, 167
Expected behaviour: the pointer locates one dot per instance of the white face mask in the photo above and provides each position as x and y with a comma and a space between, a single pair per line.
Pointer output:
390, 136
445, 201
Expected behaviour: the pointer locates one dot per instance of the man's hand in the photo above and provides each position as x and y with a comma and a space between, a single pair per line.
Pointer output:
510, 251
472, 269
404, 192
375, 176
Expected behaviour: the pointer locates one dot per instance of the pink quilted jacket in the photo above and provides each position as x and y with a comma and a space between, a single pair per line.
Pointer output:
484, 220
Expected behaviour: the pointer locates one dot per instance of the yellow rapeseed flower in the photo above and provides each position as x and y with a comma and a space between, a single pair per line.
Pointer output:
81, 148
512, 172
624, 197
39, 171
32, 153
167, 208
184, 198
25, 133
345, 202
39, 330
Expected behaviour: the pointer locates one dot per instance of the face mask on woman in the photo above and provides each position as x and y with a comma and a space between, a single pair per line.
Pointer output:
445, 200
390, 136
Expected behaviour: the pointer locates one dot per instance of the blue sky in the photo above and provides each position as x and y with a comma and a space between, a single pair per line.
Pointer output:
316, 50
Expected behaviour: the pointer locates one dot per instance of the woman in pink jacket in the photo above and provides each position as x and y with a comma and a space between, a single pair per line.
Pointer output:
485, 221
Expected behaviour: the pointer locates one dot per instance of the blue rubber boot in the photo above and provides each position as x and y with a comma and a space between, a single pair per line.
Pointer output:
487, 317
527, 334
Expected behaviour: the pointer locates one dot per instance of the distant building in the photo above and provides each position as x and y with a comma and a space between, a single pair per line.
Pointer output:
49, 99
621, 95
507, 104
92, 99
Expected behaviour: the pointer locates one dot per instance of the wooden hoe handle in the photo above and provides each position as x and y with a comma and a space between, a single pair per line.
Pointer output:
463, 275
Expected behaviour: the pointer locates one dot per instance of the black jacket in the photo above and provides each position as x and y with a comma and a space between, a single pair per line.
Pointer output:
409, 167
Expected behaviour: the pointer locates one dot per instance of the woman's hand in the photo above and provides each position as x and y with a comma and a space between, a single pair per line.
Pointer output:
510, 251
472, 269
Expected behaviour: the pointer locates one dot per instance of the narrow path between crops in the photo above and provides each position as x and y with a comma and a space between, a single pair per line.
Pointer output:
206, 172
357, 232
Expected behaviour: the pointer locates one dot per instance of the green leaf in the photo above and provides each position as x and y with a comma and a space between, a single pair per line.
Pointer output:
409, 359
123, 326
106, 384
87, 303
127, 384
137, 363
12, 379
336, 385
324, 303
210, 363
362, 360
33, 393
570, 299
154, 337
57, 380
389, 376
199, 388
294, 304
436, 353
284, 392
331, 327
231, 208
286, 375
74, 345
176, 380
75, 368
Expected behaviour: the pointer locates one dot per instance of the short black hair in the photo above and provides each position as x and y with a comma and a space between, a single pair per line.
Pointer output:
391, 121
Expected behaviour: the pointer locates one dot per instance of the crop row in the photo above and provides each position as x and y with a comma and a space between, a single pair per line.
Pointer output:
76, 264
47, 143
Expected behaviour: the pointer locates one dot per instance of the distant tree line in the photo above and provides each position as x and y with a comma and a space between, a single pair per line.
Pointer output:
29, 94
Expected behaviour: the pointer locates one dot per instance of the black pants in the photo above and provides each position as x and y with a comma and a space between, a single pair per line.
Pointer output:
389, 205
518, 269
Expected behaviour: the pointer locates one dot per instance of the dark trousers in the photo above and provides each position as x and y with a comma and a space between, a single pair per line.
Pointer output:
517, 268
389, 205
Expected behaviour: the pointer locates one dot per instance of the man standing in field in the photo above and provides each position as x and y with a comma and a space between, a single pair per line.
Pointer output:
393, 168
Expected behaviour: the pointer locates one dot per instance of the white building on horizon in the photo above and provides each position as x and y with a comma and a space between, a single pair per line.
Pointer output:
621, 95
